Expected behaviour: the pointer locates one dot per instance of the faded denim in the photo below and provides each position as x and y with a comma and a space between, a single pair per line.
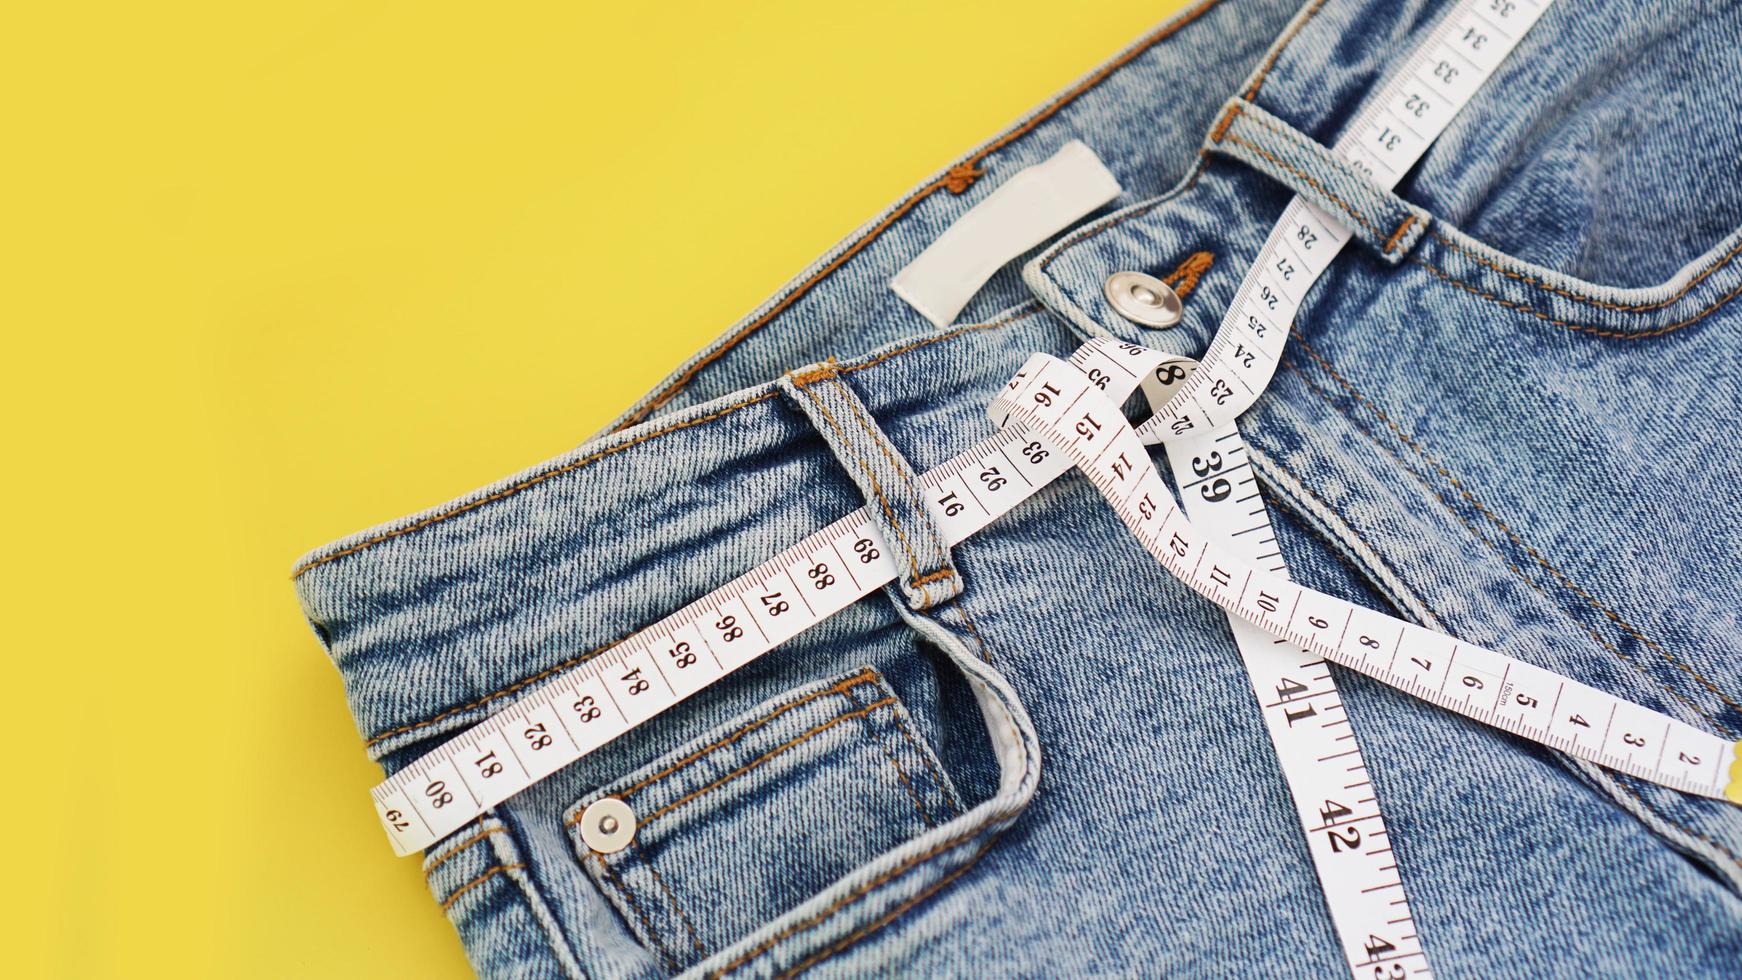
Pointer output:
1509, 412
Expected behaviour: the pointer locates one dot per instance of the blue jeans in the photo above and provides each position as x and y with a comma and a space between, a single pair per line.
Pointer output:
966, 774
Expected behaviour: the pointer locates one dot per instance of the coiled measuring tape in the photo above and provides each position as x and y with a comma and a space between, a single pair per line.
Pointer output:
598, 701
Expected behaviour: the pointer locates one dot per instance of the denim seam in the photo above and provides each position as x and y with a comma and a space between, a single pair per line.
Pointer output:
1565, 580
1480, 259
491, 872
615, 448
493, 695
854, 897
1666, 818
866, 676
956, 180
621, 887
852, 938
901, 773
900, 870
1612, 648
1307, 178
1184, 278
477, 838
900, 466
849, 447
670, 898
1281, 45
1429, 611
743, 770
1581, 327
930, 764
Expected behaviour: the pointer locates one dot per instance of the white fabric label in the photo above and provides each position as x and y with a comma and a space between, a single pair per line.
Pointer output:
1033, 205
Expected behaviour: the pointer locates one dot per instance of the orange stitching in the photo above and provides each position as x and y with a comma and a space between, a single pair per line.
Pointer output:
956, 180
1666, 818
1185, 278
1595, 331
1270, 62
985, 653
1717, 264
1397, 236
759, 760
1221, 128
530, 481
937, 576
695, 939
865, 676
930, 763
825, 370
848, 899
611, 450
901, 773
1625, 626
486, 699
1303, 175
890, 916
475, 882
462, 845
848, 447
622, 888
517, 685
882, 443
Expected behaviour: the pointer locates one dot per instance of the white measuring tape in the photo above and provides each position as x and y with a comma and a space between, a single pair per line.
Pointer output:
1321, 760
1384, 140
1071, 417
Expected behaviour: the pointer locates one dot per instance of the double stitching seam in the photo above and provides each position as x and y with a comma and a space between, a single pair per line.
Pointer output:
858, 894
670, 898
1582, 327
1276, 53
454, 896
956, 180
622, 888
852, 450
758, 761
863, 677
882, 443
477, 838
901, 773
930, 764
1666, 818
558, 668
1565, 580
1480, 259
846, 900
493, 695
1308, 178
612, 450
868, 928
1425, 605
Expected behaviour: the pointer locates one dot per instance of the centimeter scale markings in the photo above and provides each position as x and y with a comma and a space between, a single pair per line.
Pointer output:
681, 654
1321, 761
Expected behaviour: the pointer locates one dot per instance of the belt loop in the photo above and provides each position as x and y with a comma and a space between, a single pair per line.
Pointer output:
1385, 222
889, 484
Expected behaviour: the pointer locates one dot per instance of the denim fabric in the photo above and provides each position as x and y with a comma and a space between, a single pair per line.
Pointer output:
1513, 420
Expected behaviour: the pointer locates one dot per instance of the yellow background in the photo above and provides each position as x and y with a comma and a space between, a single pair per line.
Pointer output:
272, 275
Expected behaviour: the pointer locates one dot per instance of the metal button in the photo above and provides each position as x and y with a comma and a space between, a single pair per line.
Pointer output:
607, 825
1143, 299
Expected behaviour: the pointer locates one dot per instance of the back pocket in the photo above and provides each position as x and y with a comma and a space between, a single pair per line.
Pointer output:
728, 832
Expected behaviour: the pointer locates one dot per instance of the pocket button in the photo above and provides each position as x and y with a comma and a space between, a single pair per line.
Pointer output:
1143, 299
607, 825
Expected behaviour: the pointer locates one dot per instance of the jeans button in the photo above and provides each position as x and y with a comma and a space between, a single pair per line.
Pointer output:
607, 825
1143, 299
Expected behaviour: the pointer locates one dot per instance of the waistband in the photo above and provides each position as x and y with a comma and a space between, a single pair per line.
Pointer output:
442, 617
